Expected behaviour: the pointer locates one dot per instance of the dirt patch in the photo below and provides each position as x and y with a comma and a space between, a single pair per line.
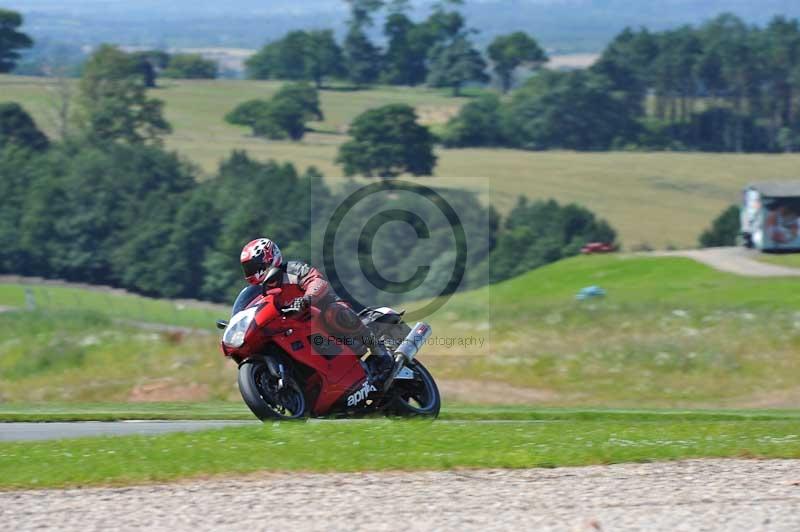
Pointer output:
788, 398
168, 390
430, 115
488, 392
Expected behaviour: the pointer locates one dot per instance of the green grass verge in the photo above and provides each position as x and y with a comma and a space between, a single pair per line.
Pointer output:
790, 260
645, 282
52, 412
385, 445
670, 333
114, 305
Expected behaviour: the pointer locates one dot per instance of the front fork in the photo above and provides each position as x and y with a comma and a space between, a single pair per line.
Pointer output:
277, 370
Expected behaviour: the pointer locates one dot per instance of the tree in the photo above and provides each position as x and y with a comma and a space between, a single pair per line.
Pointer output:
19, 168
190, 66
304, 95
478, 123
81, 214
17, 128
299, 55
541, 232
401, 64
387, 142
281, 59
11, 40
626, 63
674, 73
273, 119
324, 57
782, 56
285, 115
456, 63
572, 110
151, 62
253, 198
361, 11
508, 52
281, 119
724, 229
363, 59
247, 113
113, 101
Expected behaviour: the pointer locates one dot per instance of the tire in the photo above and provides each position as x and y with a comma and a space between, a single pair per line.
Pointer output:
422, 399
259, 391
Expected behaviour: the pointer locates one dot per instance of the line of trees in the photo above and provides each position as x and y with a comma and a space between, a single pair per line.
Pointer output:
437, 50
723, 86
150, 63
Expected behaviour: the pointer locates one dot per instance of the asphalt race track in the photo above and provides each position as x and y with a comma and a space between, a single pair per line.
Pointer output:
86, 429
56, 431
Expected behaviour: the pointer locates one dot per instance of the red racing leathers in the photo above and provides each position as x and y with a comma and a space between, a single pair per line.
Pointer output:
338, 315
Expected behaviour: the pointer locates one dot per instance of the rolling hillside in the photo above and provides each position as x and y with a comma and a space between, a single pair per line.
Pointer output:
670, 332
657, 198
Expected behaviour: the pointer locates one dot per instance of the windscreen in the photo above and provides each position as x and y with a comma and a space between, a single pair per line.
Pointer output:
244, 298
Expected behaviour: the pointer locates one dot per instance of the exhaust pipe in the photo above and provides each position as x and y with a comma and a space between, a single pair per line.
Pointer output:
408, 349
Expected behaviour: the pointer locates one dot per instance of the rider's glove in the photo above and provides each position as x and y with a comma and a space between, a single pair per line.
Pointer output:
298, 305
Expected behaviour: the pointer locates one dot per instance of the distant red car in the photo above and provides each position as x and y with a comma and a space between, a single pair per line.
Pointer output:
598, 247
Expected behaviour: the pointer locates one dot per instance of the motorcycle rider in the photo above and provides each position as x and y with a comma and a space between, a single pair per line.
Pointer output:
259, 256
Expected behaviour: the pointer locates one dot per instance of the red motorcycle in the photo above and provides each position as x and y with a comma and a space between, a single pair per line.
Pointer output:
290, 366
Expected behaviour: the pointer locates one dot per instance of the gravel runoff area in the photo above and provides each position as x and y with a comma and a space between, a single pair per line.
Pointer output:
694, 495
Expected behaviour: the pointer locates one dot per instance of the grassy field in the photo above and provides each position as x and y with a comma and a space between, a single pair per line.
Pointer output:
388, 445
670, 333
128, 307
656, 198
791, 260
65, 412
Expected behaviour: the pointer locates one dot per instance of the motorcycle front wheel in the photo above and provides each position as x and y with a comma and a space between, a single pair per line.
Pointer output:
264, 395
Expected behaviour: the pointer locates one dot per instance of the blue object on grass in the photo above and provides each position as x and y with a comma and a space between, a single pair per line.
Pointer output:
590, 292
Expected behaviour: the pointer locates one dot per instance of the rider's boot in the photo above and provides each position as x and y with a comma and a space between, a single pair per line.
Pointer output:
380, 361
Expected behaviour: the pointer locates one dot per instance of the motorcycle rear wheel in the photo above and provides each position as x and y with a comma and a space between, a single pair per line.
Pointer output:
418, 397
259, 389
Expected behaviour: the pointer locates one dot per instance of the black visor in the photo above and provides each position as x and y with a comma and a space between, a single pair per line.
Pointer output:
252, 267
